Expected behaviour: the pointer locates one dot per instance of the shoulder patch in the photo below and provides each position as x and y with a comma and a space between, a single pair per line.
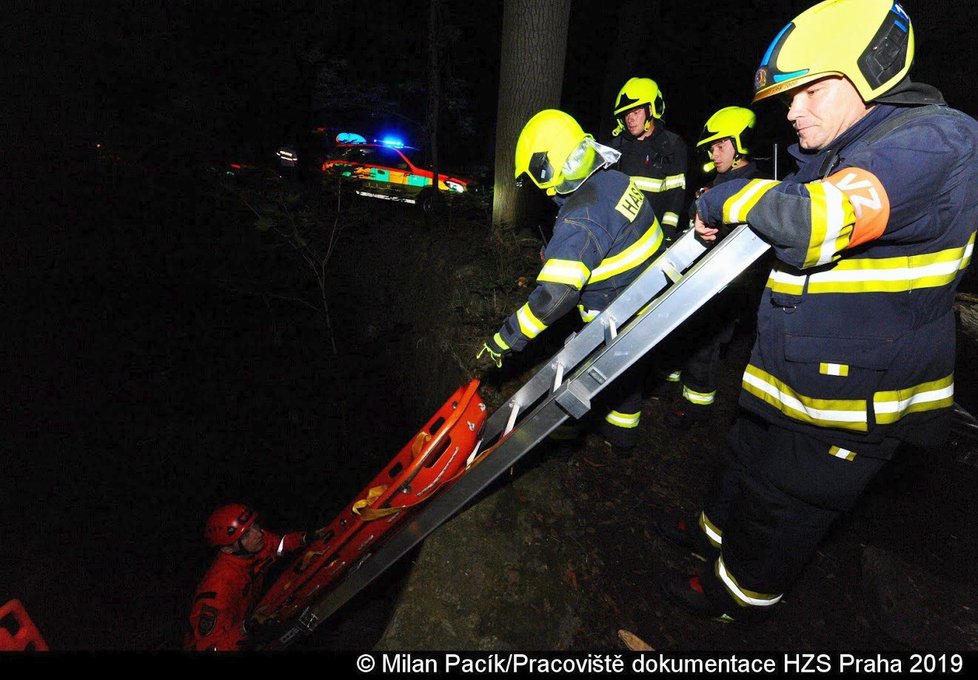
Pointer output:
207, 620
869, 202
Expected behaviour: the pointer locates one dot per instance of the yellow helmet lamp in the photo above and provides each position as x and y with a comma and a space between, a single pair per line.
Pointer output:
870, 42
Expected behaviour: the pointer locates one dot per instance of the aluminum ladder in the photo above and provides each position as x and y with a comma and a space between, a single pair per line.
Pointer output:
670, 290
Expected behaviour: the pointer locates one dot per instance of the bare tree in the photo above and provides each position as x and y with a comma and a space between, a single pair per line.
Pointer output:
531, 72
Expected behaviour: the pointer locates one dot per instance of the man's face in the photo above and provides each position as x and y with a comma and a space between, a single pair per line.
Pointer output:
635, 121
253, 539
722, 154
822, 110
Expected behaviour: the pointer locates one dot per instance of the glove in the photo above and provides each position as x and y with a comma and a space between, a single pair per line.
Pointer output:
495, 349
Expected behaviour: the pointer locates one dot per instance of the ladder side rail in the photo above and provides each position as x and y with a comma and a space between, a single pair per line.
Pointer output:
679, 257
728, 259
724, 263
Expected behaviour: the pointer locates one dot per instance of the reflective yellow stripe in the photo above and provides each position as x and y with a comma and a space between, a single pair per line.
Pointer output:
657, 185
530, 325
844, 454
892, 405
713, 533
832, 221
674, 376
848, 414
782, 282
587, 315
736, 207
742, 596
632, 256
833, 369
498, 339
626, 420
570, 272
670, 219
879, 275
701, 398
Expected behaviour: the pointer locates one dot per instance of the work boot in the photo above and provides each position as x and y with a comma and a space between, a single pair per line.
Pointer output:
683, 415
687, 592
622, 441
683, 530
565, 441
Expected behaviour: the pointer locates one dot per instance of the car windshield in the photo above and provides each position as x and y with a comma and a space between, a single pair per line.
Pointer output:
372, 155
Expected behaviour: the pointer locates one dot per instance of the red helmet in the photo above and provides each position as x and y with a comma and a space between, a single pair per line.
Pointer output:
228, 523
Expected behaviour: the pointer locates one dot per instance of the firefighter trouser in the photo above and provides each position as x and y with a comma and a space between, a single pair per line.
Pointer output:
705, 335
778, 495
624, 401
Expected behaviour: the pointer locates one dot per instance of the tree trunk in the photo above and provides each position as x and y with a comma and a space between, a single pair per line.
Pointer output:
531, 72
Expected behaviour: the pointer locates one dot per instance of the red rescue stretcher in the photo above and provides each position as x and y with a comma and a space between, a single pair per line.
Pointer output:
434, 457
17, 632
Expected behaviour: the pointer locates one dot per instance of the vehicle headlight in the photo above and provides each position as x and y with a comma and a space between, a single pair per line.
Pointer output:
454, 186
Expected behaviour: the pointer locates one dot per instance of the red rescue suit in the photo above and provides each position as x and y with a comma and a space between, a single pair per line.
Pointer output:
230, 590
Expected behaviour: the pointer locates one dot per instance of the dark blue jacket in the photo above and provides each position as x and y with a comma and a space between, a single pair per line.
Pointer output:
856, 333
605, 235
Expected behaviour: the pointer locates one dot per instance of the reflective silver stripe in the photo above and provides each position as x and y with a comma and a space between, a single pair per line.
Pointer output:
632, 256
530, 325
839, 452
701, 398
744, 596
571, 272
626, 420
281, 547
657, 185
671, 219
711, 530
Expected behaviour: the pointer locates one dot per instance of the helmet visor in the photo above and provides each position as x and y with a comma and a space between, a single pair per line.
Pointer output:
584, 161
540, 168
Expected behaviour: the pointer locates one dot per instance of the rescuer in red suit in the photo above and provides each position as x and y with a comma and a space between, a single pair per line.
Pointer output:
233, 584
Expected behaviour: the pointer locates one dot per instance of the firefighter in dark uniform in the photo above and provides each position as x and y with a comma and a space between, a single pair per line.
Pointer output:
233, 584
654, 157
604, 236
726, 139
855, 342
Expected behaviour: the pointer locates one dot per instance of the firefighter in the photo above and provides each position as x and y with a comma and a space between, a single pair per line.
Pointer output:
605, 235
855, 344
233, 584
725, 139
654, 157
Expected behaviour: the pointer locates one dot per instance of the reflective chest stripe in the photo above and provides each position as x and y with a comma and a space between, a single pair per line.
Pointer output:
657, 185
848, 414
879, 275
632, 256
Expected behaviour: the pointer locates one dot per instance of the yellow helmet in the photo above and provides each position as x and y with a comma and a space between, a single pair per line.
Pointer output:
870, 42
635, 93
546, 143
734, 122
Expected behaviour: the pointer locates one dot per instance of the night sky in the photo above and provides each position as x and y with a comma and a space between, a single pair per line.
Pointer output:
136, 394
